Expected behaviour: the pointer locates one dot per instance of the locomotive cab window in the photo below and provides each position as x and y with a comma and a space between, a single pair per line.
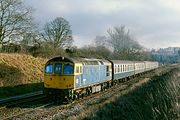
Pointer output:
58, 68
77, 69
49, 68
68, 69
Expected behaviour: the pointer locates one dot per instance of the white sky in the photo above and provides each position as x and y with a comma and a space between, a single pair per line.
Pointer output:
154, 23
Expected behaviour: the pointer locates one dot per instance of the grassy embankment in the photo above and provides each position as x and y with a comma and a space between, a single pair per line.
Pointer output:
20, 73
155, 100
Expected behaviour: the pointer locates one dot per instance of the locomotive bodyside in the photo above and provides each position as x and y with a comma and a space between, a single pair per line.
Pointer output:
94, 73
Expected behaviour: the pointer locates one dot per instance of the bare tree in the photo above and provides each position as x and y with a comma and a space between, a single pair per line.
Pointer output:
91, 51
31, 41
101, 41
15, 19
102, 47
58, 33
122, 44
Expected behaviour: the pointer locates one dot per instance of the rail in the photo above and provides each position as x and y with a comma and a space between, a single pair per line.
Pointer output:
19, 97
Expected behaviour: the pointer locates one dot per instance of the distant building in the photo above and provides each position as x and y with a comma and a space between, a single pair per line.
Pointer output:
167, 55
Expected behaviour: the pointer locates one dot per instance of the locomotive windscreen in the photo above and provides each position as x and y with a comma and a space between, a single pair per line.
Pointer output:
58, 68
68, 69
49, 68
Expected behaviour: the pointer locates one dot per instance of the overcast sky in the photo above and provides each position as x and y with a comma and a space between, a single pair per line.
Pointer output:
154, 23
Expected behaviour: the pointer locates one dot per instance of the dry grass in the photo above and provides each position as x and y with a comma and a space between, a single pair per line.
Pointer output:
18, 69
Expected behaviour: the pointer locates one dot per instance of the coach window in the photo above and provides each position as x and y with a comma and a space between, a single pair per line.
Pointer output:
80, 69
57, 68
68, 69
114, 69
129, 67
49, 68
118, 69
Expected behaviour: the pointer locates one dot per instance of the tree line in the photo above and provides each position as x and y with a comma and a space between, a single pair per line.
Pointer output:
18, 33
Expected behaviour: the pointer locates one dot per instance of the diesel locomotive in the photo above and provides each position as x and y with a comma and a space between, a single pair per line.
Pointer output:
69, 78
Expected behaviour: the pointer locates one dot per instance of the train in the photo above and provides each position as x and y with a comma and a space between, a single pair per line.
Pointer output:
70, 78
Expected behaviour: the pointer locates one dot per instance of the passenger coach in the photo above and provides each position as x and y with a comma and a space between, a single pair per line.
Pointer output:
122, 69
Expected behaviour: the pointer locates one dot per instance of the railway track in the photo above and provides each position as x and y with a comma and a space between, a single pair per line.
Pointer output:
17, 103
26, 111
7, 102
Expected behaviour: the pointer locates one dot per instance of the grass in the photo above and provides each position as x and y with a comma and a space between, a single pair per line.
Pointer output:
16, 69
155, 100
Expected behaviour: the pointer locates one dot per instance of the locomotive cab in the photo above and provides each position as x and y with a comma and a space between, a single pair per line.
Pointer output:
59, 77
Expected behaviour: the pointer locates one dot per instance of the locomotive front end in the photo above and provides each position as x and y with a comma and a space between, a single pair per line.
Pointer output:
59, 77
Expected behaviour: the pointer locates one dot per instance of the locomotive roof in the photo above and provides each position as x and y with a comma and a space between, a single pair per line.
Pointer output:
85, 61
